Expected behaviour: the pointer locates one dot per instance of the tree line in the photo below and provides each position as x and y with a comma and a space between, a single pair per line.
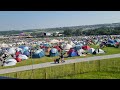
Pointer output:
98, 31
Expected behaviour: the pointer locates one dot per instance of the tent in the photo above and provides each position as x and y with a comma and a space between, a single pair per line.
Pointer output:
11, 51
47, 49
86, 47
71, 50
71, 43
27, 53
46, 45
57, 47
53, 52
54, 41
80, 52
38, 54
24, 48
117, 40
117, 45
110, 43
10, 62
99, 51
4, 45
77, 47
23, 57
18, 59
67, 47
91, 50
72, 54
19, 49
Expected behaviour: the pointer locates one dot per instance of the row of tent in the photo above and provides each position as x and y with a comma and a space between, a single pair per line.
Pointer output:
73, 48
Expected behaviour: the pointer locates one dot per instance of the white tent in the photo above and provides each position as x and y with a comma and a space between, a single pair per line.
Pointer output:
54, 41
67, 47
10, 62
72, 44
23, 57
4, 45
99, 51
11, 51
1, 63
0, 50
19, 49
91, 50
80, 52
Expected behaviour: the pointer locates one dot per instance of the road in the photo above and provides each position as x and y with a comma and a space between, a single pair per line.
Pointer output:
49, 64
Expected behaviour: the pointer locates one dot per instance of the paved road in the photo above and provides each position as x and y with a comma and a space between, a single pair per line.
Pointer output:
49, 64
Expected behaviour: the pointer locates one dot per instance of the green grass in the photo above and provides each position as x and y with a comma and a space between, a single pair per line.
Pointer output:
99, 69
109, 50
95, 75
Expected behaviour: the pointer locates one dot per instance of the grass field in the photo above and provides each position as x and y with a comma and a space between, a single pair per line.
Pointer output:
95, 75
109, 50
99, 69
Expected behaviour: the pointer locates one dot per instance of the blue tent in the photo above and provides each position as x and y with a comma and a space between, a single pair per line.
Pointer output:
53, 52
73, 54
46, 45
38, 54
24, 48
111, 43
117, 40
77, 47
27, 53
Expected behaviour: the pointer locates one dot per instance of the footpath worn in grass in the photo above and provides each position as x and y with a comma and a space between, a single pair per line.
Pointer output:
98, 69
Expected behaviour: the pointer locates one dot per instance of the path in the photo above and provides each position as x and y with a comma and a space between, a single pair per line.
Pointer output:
49, 64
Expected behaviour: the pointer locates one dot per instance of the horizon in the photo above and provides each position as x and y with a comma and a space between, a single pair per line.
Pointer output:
60, 27
27, 20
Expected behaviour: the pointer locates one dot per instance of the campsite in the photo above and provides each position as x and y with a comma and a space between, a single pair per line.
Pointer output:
37, 49
48, 49
59, 45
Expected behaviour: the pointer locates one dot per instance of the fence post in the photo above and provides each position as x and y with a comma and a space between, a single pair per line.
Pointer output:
74, 67
45, 73
99, 65
16, 75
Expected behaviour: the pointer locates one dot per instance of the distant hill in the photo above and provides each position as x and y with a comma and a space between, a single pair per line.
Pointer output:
61, 29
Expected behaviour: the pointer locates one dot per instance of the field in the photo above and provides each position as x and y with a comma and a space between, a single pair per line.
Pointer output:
95, 75
99, 69
109, 50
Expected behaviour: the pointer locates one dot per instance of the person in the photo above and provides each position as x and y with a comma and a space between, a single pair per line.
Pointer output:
57, 60
62, 57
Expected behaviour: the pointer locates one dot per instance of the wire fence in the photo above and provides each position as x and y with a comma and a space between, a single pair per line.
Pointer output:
54, 72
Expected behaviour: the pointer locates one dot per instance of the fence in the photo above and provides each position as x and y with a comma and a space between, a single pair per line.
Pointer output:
55, 72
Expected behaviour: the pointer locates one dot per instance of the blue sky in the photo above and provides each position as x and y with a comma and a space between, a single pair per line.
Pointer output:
21, 20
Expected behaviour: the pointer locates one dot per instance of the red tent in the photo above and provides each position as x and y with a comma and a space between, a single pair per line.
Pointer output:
85, 47
42, 47
71, 50
17, 54
18, 59
57, 47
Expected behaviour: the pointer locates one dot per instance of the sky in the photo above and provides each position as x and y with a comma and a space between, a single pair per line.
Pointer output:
22, 20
